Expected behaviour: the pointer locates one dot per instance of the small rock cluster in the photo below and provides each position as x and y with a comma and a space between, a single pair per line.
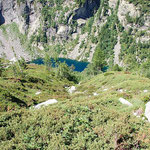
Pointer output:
72, 89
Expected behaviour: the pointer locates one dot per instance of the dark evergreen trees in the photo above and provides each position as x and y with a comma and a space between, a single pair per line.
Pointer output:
99, 59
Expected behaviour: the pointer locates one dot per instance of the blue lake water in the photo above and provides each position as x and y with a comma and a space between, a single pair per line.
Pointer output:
79, 65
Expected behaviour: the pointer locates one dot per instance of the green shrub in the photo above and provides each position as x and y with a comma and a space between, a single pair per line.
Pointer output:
47, 62
146, 99
2, 67
108, 73
22, 63
99, 58
117, 68
64, 72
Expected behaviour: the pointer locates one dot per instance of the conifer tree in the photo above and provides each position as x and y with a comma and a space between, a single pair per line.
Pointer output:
47, 62
99, 59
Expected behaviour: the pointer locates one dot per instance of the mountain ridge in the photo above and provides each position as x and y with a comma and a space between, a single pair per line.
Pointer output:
54, 28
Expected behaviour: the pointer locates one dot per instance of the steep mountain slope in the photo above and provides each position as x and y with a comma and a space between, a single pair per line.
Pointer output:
75, 29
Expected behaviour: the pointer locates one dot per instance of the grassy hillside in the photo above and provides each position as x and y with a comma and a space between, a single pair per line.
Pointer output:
82, 120
17, 91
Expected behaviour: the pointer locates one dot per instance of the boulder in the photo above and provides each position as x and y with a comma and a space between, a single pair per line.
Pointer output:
62, 30
105, 90
145, 91
50, 101
147, 111
95, 94
81, 22
37, 93
72, 89
123, 101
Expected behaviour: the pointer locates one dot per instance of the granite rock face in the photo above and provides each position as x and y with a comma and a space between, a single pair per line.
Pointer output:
124, 9
21, 13
26, 17
70, 26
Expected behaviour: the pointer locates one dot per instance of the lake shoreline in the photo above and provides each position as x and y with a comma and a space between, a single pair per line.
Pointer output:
79, 65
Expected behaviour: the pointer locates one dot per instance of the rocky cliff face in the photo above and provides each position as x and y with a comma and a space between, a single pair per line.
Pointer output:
71, 30
22, 13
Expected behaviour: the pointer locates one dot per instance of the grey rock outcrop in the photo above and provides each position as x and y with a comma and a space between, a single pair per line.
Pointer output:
63, 31
23, 14
9, 44
112, 3
26, 17
147, 111
124, 9
70, 26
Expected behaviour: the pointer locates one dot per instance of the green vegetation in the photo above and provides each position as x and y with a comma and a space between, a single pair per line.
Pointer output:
19, 85
107, 38
80, 2
92, 117
49, 14
2, 66
130, 49
117, 68
146, 99
4, 30
99, 59
144, 5
80, 120
47, 62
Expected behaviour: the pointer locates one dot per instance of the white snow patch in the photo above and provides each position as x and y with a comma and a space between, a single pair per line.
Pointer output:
50, 101
145, 91
123, 101
147, 111
37, 93
72, 89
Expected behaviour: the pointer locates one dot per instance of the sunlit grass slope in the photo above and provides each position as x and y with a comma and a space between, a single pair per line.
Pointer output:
83, 121
17, 92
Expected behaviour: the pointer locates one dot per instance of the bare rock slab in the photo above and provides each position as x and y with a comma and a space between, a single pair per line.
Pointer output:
125, 102
50, 101
147, 111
